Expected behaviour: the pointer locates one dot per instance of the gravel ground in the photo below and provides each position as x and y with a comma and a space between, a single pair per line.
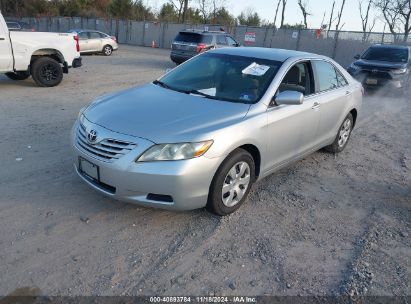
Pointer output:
327, 225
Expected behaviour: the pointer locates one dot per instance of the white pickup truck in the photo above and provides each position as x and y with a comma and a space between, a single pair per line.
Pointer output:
43, 56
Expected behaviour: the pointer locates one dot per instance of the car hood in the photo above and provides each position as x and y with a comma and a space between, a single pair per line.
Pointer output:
163, 115
379, 64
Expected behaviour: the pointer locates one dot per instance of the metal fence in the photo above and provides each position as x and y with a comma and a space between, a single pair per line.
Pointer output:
341, 46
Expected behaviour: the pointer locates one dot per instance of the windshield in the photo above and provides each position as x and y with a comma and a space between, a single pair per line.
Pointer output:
223, 77
386, 54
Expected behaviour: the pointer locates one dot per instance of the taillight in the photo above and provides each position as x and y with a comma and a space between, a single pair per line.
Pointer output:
200, 47
114, 38
77, 43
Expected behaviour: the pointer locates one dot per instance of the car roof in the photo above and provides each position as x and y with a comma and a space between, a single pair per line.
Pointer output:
390, 46
265, 53
202, 31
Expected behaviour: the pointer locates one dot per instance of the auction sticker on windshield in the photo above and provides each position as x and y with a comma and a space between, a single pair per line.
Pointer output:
255, 69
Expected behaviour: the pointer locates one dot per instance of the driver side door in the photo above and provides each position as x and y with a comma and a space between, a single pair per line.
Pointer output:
292, 129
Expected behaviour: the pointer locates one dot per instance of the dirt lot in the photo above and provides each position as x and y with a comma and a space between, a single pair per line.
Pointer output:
325, 225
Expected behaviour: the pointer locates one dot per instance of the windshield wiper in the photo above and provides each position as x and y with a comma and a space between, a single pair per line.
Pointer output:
197, 92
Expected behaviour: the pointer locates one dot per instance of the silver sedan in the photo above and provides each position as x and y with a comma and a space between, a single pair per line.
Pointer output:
202, 134
96, 42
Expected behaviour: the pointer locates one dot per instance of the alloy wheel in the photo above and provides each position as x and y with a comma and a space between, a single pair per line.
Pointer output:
235, 184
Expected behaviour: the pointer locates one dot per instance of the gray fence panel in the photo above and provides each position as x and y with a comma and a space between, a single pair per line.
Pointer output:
323, 45
152, 33
103, 25
283, 38
122, 31
136, 33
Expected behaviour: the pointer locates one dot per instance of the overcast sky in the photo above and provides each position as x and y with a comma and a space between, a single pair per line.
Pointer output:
266, 9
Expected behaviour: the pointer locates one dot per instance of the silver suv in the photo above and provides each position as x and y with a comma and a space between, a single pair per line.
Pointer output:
189, 43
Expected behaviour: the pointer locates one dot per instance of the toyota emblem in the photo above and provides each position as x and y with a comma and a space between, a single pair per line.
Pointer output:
92, 136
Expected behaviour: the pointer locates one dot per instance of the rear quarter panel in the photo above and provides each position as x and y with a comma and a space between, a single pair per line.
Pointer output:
26, 43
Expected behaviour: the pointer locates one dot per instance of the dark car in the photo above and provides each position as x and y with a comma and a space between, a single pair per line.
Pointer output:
382, 65
15, 25
189, 43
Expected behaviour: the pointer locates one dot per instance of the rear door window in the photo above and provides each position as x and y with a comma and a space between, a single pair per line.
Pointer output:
188, 37
207, 39
221, 40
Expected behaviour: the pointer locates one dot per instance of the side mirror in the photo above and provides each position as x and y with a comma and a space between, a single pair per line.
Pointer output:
289, 98
357, 56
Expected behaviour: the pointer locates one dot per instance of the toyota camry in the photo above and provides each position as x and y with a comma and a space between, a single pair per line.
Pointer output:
203, 133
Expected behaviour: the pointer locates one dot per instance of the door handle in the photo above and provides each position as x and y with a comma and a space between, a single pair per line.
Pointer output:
348, 92
316, 105
2, 38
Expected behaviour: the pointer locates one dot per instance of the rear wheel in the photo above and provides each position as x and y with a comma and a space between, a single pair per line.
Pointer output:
18, 75
343, 135
107, 50
232, 183
46, 72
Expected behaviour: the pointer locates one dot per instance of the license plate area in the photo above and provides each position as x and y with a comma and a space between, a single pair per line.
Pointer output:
371, 81
89, 169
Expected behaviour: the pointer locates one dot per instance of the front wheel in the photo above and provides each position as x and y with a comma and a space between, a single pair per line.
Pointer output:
107, 50
343, 135
18, 75
231, 183
46, 72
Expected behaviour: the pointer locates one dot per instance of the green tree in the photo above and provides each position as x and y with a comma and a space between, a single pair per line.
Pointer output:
249, 17
121, 9
168, 13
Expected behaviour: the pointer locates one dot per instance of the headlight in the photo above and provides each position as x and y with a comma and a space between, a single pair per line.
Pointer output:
175, 151
399, 71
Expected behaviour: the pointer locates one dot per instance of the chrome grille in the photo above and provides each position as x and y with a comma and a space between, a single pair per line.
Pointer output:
107, 149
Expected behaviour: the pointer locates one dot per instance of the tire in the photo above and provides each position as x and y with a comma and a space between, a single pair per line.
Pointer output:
46, 72
18, 75
343, 135
225, 201
107, 50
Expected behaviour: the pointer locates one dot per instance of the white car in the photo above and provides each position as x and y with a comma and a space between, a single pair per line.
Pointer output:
96, 42
44, 56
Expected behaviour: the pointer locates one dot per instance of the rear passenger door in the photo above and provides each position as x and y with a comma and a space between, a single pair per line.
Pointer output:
332, 91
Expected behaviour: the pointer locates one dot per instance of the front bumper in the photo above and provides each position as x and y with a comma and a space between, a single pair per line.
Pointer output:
376, 79
177, 185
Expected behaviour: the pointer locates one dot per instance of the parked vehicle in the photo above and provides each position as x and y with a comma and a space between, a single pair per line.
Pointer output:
15, 25
96, 42
44, 56
189, 43
203, 133
383, 65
